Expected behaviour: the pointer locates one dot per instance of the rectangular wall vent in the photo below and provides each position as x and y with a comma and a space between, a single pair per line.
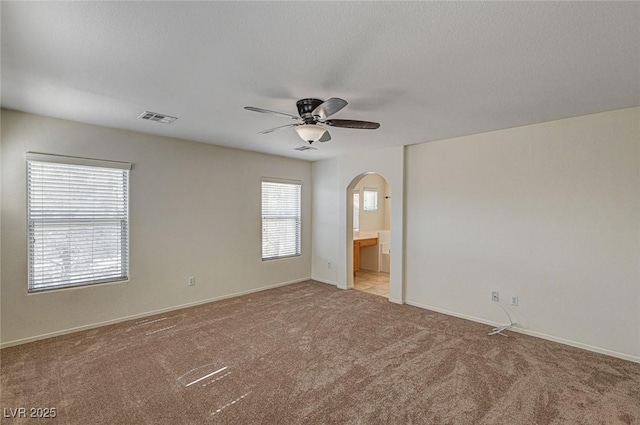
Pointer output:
305, 148
154, 116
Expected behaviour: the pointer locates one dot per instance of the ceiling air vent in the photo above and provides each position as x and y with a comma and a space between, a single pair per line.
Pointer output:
305, 148
154, 116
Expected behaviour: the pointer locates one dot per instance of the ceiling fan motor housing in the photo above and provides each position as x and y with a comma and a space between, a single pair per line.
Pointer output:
306, 107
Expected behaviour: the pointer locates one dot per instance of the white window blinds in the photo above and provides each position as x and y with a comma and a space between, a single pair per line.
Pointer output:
78, 220
370, 199
281, 219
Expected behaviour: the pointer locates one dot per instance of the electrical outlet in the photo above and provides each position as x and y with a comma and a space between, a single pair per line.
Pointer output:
328, 264
514, 300
192, 281
495, 296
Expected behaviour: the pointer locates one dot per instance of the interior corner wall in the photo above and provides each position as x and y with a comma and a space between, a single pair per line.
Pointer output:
547, 212
386, 200
194, 211
331, 181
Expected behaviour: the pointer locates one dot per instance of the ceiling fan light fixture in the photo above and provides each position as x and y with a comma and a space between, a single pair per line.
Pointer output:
310, 132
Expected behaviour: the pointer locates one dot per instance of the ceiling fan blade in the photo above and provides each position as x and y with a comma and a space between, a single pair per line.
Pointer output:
364, 125
266, 111
329, 107
271, 130
325, 137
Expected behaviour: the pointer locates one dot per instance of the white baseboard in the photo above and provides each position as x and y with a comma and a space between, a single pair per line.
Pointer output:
336, 284
552, 338
328, 282
145, 314
587, 347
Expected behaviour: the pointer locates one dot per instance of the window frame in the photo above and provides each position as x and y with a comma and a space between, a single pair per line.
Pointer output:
356, 210
297, 217
77, 162
364, 198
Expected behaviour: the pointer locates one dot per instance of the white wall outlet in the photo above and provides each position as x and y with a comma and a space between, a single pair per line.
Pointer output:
192, 281
495, 296
514, 300
328, 264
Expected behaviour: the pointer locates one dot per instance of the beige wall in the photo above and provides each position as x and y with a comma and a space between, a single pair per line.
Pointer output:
195, 211
548, 212
386, 200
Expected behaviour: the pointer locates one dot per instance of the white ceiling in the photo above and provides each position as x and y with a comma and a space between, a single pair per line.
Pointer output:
424, 70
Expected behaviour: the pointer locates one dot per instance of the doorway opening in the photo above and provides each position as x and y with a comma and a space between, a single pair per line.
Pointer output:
371, 233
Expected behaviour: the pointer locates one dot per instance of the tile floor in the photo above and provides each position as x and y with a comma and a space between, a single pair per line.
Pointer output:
372, 282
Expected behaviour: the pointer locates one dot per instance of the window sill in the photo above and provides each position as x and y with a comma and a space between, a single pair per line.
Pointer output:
76, 287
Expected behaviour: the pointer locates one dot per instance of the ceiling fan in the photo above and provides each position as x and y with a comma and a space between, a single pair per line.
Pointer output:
312, 113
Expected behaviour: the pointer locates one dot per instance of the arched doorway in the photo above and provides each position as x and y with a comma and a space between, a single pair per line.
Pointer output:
369, 230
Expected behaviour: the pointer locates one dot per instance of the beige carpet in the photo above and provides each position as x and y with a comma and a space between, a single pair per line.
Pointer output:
312, 354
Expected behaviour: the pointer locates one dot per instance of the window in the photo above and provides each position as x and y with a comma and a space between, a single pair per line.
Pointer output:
356, 210
370, 199
281, 218
78, 221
